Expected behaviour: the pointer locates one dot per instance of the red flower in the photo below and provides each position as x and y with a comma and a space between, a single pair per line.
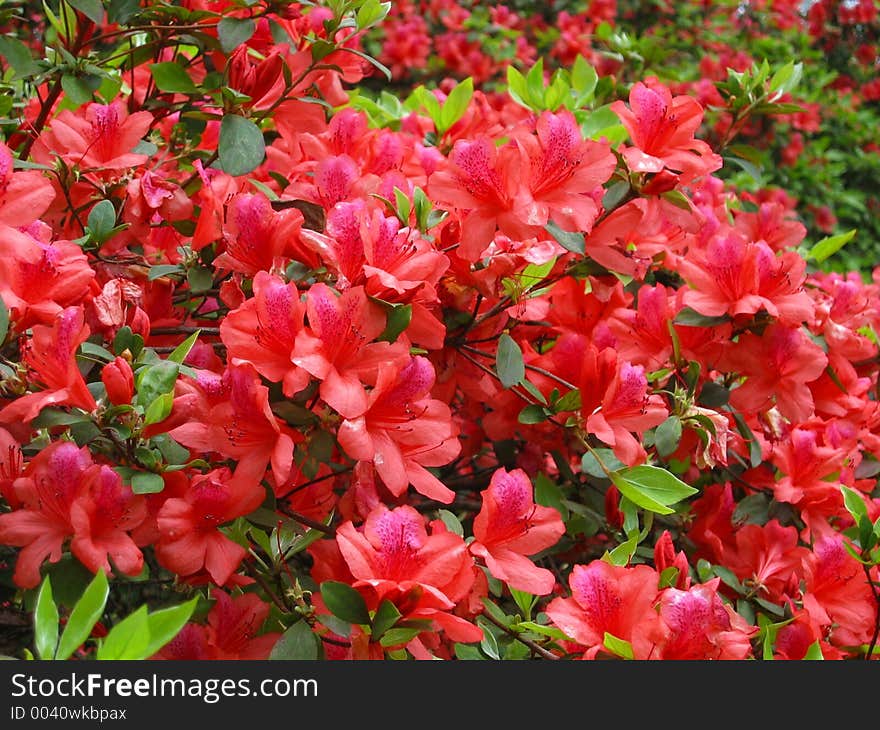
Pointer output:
230, 415
510, 527
98, 136
263, 330
189, 538
778, 365
102, 516
338, 346
484, 184
702, 626
38, 277
838, 594
233, 631
118, 379
403, 430
24, 195
662, 129
736, 277
51, 356
615, 403
46, 491
610, 599
423, 574
258, 238
566, 173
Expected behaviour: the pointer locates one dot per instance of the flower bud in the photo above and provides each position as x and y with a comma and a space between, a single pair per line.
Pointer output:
118, 379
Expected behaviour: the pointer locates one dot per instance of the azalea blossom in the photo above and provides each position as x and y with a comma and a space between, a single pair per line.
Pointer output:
510, 527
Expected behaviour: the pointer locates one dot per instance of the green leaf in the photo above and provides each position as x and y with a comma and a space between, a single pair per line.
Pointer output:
297, 643
549, 494
94, 350
622, 554
77, 88
509, 361
532, 413
590, 464
84, 616
18, 56
571, 401
573, 242
234, 32
45, 622
159, 409
395, 637
618, 647
814, 652
452, 523
172, 78
693, 318
102, 220
603, 122
371, 12
398, 318
182, 350
516, 87
92, 9
4, 321
549, 631
156, 380
241, 147
467, 652
456, 104
830, 245
854, 503
200, 279
121, 11
668, 435
583, 79
345, 602
652, 488
129, 639
385, 617
146, 482
786, 78
160, 270
166, 623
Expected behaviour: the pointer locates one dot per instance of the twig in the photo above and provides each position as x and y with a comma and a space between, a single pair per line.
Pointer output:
528, 642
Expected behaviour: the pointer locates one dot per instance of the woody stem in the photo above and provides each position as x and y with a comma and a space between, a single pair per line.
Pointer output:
528, 642
307, 521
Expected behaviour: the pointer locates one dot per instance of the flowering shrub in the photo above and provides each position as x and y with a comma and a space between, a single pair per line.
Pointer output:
291, 369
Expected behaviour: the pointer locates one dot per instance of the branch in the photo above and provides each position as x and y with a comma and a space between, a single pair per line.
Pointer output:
538, 649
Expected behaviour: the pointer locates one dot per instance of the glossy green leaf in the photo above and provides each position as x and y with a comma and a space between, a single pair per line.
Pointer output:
92, 9
146, 482
297, 643
172, 78
45, 622
618, 647
234, 32
129, 639
652, 488
573, 242
166, 623
830, 245
241, 147
345, 602
667, 436
509, 361
84, 616
385, 617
